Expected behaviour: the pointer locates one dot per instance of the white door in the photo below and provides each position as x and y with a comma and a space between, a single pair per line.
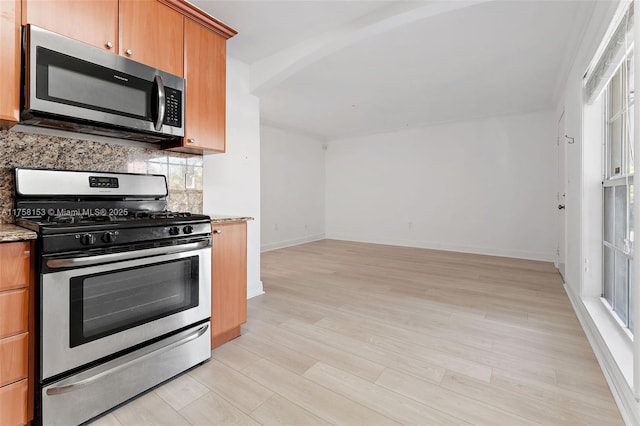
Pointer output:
561, 195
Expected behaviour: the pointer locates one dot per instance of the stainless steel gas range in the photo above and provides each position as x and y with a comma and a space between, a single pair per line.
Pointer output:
123, 296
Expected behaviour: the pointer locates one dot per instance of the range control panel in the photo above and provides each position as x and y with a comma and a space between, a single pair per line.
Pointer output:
103, 182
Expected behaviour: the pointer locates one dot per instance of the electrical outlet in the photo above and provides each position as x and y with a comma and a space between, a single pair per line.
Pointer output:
189, 181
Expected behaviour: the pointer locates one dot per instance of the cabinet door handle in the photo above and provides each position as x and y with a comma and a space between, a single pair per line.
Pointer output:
218, 231
129, 52
108, 45
191, 141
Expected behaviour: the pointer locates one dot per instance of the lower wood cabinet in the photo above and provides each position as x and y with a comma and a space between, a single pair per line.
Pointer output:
14, 311
14, 356
14, 409
228, 281
16, 334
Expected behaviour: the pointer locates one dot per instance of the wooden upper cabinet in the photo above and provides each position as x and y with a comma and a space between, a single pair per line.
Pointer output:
146, 31
94, 22
171, 35
9, 62
205, 71
152, 33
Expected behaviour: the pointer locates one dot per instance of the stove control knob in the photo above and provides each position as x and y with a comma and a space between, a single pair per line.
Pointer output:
174, 230
109, 237
88, 239
187, 229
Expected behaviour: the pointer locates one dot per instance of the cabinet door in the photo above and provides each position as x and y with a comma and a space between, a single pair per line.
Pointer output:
94, 22
13, 358
152, 33
229, 279
205, 70
14, 312
15, 261
13, 403
10, 63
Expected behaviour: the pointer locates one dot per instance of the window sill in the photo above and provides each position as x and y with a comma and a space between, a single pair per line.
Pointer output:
613, 349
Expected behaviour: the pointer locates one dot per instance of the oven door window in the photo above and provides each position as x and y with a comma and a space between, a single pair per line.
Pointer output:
109, 302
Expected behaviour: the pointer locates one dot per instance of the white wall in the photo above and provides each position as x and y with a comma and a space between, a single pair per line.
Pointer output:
583, 168
485, 186
292, 188
231, 181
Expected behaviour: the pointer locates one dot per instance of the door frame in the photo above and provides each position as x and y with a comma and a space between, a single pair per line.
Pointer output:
561, 193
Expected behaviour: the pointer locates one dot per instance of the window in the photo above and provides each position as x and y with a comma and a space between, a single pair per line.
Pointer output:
618, 192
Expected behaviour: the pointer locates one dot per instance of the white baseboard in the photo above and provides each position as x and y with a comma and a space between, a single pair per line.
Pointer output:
518, 254
622, 392
255, 290
293, 242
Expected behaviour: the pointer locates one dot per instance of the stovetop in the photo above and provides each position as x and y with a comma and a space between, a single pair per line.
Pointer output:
74, 233
78, 221
85, 210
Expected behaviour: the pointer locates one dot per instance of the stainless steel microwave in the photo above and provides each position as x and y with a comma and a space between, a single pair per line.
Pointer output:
70, 85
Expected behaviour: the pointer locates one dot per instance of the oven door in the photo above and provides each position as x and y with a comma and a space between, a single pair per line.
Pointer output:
93, 307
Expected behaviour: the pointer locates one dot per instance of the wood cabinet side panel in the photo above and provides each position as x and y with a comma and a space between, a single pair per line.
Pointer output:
31, 356
154, 33
222, 338
229, 278
13, 403
15, 264
9, 62
241, 247
205, 71
94, 22
14, 306
14, 358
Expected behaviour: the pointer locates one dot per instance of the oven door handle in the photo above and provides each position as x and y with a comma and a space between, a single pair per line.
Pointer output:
86, 382
130, 255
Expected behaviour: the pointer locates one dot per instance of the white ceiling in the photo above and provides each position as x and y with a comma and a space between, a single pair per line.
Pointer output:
344, 68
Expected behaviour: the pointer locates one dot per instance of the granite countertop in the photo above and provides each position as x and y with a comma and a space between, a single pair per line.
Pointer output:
9, 232
219, 218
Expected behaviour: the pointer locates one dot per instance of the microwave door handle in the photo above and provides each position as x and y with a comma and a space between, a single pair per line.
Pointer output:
157, 80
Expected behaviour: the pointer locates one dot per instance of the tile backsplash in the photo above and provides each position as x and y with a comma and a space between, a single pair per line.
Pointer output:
17, 149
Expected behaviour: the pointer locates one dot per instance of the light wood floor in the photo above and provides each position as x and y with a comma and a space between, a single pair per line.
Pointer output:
361, 334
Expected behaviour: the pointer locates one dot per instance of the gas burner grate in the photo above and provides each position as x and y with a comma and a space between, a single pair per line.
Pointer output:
90, 219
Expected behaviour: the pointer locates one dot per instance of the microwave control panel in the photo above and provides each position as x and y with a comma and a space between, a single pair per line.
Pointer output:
173, 107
